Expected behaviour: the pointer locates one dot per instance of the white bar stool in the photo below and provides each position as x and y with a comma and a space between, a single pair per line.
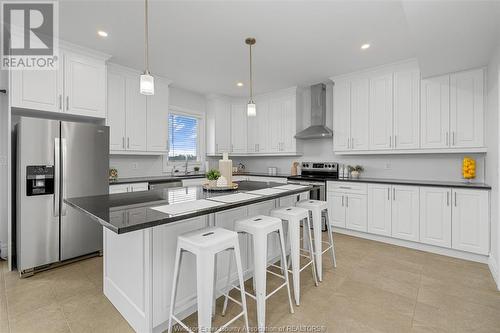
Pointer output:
205, 244
260, 227
293, 216
317, 210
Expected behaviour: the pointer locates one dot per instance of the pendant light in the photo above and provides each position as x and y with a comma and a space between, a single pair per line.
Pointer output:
147, 85
251, 107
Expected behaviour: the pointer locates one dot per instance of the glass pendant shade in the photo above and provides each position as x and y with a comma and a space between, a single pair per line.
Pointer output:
147, 84
251, 109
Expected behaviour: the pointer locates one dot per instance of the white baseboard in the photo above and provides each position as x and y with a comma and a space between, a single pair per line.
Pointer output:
416, 246
492, 264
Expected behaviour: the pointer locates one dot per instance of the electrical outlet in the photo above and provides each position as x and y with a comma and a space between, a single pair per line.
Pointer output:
135, 166
388, 166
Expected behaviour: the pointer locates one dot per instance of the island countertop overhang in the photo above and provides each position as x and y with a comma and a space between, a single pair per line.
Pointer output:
127, 212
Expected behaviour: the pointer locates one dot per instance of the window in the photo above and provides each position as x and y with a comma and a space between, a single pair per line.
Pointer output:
183, 137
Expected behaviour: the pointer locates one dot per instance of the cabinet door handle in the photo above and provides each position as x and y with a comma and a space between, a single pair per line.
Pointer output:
447, 139
123, 142
395, 140
447, 198
346, 201
393, 194
455, 199
389, 193
60, 102
352, 143
128, 142
342, 201
348, 143
67, 103
345, 187
453, 138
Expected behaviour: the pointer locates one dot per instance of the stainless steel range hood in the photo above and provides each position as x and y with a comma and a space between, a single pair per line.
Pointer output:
318, 128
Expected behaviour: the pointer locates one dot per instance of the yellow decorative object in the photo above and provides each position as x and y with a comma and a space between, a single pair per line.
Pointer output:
469, 168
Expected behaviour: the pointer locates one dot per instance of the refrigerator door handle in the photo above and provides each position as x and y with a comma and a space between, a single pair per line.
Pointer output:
64, 179
57, 172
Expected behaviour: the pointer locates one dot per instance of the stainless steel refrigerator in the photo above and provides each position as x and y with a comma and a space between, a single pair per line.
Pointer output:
57, 160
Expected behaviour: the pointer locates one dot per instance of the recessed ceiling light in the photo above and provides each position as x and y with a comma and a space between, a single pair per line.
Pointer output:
102, 33
239, 84
365, 46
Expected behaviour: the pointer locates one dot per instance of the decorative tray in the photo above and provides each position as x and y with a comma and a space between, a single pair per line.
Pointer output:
231, 187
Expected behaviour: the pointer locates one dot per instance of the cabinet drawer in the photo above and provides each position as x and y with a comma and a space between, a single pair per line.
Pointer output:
347, 187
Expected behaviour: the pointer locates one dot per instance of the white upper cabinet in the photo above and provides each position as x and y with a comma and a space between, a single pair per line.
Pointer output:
77, 87
38, 90
257, 129
157, 118
350, 123
406, 109
116, 111
341, 115
407, 114
470, 221
405, 212
222, 127
359, 114
137, 123
435, 112
467, 109
288, 124
135, 116
84, 85
271, 132
381, 112
435, 216
238, 128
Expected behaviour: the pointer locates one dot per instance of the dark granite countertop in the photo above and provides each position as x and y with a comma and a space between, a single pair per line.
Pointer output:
481, 186
126, 212
166, 179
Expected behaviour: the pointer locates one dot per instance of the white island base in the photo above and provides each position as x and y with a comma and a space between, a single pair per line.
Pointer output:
138, 266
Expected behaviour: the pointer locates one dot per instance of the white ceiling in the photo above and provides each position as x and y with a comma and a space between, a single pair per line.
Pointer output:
200, 44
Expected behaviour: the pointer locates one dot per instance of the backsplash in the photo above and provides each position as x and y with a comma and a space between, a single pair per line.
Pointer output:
445, 167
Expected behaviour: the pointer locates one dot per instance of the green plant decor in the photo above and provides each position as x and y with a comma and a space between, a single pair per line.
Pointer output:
196, 169
357, 168
213, 174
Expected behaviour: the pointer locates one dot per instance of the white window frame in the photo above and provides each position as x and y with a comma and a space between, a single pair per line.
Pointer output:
170, 166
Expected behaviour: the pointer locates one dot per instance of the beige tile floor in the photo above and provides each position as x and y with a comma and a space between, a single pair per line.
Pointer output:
375, 288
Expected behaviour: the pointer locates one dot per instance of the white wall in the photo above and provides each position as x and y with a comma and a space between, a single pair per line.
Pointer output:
492, 160
139, 166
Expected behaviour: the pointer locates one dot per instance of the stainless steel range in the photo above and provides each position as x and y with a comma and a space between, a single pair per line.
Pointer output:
316, 173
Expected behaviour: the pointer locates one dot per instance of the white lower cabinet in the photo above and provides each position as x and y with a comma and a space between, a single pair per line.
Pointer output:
405, 212
132, 187
379, 209
336, 210
451, 218
435, 216
347, 205
470, 221
355, 212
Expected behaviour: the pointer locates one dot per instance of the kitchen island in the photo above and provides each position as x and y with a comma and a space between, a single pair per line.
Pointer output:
140, 234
